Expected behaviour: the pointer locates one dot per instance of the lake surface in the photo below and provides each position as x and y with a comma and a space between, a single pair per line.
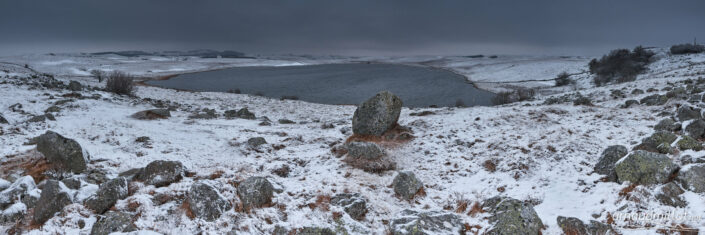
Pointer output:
338, 83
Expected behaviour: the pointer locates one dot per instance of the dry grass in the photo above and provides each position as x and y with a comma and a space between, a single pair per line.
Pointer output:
186, 207
475, 209
396, 136
322, 203
30, 163
490, 166
625, 192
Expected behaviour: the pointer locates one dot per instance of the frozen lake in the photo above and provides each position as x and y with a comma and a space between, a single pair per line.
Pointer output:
338, 83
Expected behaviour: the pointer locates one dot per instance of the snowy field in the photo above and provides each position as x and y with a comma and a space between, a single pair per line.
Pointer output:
542, 154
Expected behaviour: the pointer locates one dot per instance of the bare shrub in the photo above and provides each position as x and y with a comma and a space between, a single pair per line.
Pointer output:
520, 94
563, 79
620, 65
524, 94
120, 83
289, 97
504, 97
687, 48
98, 74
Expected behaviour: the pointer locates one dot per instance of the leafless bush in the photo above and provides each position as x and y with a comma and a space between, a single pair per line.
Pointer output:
520, 94
98, 74
524, 94
235, 91
120, 83
459, 103
620, 65
687, 48
289, 97
563, 79
504, 97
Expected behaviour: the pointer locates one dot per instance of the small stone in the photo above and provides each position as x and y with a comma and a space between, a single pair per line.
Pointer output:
286, 121
630, 103
511, 216
406, 185
686, 112
243, 113
669, 194
256, 141
687, 142
162, 173
410, 222
667, 124
75, 86
353, 204
152, 114
282, 171
696, 129
692, 177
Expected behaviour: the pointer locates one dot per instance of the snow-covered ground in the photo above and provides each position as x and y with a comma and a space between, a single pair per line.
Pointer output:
544, 154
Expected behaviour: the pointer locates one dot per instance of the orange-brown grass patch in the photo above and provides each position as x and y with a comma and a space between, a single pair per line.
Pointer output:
30, 163
490, 166
393, 137
322, 203
474, 229
475, 209
186, 207
627, 190
217, 174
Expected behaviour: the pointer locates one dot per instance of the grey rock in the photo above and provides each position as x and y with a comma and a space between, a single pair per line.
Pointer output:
107, 195
20, 190
377, 115
692, 177
52, 109
256, 141
75, 86
368, 156
696, 129
667, 124
243, 113
511, 216
655, 99
17, 108
637, 92
3, 120
659, 142
52, 200
669, 194
72, 183
282, 171
152, 114
605, 166
575, 226
646, 168
206, 202
410, 222
255, 192
315, 231
686, 112
41, 118
206, 113
365, 150
353, 204
66, 153
131, 173
286, 121
630, 103
406, 185
161, 173
112, 222
687, 142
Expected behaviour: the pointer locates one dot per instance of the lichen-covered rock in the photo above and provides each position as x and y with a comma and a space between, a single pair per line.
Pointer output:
667, 124
206, 202
377, 115
367, 156
243, 113
75, 86
65, 153
107, 195
659, 142
687, 112
255, 142
696, 129
511, 216
152, 114
161, 173
410, 222
575, 226
646, 168
605, 165
255, 192
406, 185
113, 221
52, 200
687, 142
353, 204
669, 194
692, 177
655, 99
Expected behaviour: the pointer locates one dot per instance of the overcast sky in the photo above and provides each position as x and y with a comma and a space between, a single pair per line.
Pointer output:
358, 27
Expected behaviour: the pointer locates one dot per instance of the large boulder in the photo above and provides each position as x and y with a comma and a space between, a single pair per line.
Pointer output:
605, 166
695, 129
161, 173
692, 177
108, 194
112, 222
406, 185
353, 204
670, 194
63, 152
377, 115
52, 200
687, 112
687, 142
575, 226
410, 222
206, 202
368, 156
152, 114
511, 216
659, 142
255, 192
646, 168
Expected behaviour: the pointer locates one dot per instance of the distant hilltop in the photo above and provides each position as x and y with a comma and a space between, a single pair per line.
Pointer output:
197, 53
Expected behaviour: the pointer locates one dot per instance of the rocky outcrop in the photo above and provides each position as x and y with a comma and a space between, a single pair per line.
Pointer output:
64, 153
646, 168
377, 115
113, 221
575, 226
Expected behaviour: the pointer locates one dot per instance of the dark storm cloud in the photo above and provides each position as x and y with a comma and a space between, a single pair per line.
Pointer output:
349, 27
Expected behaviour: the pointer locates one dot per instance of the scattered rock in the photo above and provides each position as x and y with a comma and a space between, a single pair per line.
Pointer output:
353, 204
72, 183
161, 173
206, 202
686, 112
582, 100
23, 189
406, 185
410, 222
113, 221
327, 125
605, 166
377, 115
42, 118
206, 113
368, 157
63, 152
630, 103
255, 192
131, 173
669, 194
315, 231
255, 142
52, 200
692, 177
511, 216
52, 109
282, 171
667, 124
422, 113
637, 92
655, 99
286, 121
3, 120
152, 114
108, 194
645, 168
572, 225
659, 142
243, 113
17, 108
75, 86
687, 142
696, 129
